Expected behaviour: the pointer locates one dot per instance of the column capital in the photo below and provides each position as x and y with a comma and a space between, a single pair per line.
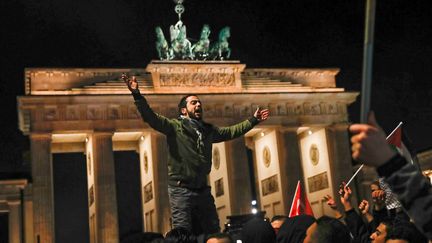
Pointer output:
250, 143
339, 126
13, 202
40, 136
287, 129
102, 133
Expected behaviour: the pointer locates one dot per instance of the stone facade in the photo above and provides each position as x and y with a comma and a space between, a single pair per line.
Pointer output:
91, 111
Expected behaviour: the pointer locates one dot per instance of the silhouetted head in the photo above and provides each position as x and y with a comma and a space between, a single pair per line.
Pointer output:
219, 238
405, 233
180, 235
327, 230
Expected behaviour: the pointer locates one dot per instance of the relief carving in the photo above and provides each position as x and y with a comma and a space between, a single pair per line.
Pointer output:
89, 163
281, 110
245, 111
94, 112
133, 112
219, 187
51, 113
318, 182
341, 108
209, 111
218, 110
272, 108
91, 195
331, 109
172, 112
148, 192
307, 108
315, 109
197, 79
323, 108
269, 185
228, 111
114, 112
290, 107
72, 113
237, 110
298, 110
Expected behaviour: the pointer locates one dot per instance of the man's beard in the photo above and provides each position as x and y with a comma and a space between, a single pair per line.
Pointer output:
192, 114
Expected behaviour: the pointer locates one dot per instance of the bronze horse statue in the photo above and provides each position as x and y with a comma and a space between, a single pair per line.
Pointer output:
200, 49
162, 46
220, 50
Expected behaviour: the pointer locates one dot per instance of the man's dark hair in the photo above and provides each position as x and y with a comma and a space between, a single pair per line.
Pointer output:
376, 183
330, 230
278, 217
406, 231
182, 103
180, 235
221, 236
388, 224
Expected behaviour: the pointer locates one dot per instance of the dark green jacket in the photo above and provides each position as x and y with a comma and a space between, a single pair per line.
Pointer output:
188, 162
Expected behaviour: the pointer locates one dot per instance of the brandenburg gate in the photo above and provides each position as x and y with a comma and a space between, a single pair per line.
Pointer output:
90, 111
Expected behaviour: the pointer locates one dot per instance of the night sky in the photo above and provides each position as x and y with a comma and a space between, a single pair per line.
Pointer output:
273, 33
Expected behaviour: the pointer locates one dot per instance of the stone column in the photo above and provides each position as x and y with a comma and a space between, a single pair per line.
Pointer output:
14, 221
290, 163
154, 184
340, 157
43, 196
160, 175
104, 188
238, 176
28, 214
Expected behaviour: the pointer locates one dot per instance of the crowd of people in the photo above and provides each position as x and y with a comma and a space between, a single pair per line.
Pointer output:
190, 139
370, 222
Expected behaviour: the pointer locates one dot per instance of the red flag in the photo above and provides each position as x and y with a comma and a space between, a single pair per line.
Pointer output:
395, 138
300, 204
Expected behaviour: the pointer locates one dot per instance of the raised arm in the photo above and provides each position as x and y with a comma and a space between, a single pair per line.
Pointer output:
234, 131
413, 190
156, 121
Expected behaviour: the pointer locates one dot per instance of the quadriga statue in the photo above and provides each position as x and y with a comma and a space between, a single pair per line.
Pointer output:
162, 46
200, 49
180, 45
220, 49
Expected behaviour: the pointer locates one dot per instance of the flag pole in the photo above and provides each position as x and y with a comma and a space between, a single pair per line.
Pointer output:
394, 130
367, 60
362, 165
295, 193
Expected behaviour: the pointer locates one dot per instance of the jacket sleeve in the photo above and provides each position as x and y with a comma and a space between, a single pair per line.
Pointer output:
226, 133
356, 226
156, 121
414, 191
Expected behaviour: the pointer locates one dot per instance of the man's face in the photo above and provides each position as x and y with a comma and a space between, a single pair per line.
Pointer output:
374, 187
379, 235
193, 108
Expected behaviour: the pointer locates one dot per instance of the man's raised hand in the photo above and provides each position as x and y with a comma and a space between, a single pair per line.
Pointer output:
369, 143
261, 114
132, 84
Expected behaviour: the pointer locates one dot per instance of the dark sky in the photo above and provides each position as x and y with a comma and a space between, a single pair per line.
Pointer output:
272, 33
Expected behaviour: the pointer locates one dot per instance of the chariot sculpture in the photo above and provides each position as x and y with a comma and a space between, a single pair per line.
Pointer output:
180, 48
